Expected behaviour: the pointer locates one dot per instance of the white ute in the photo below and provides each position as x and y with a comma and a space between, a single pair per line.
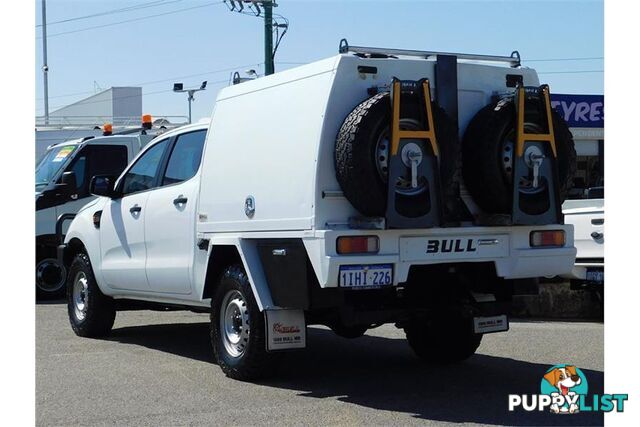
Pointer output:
280, 213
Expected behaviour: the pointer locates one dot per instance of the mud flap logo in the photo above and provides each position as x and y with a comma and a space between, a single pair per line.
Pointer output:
285, 329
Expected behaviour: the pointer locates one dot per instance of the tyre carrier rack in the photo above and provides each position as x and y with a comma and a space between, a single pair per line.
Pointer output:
404, 153
535, 173
535, 170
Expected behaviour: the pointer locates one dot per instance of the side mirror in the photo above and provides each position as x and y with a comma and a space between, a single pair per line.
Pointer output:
103, 185
68, 186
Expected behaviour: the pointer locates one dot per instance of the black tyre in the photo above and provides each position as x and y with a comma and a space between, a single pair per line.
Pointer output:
487, 156
91, 313
348, 331
238, 329
362, 151
50, 279
448, 341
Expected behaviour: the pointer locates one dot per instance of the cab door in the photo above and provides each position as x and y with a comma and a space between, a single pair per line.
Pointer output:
170, 217
99, 159
122, 234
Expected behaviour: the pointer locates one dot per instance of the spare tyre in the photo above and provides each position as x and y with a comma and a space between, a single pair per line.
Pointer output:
362, 151
488, 151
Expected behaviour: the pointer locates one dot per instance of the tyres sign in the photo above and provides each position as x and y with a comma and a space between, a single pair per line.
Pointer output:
581, 111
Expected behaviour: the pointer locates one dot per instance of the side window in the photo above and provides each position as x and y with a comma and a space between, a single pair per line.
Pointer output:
79, 169
185, 157
107, 160
141, 176
97, 160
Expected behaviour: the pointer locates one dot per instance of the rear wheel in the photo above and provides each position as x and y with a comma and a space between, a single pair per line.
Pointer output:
443, 341
91, 313
349, 331
238, 329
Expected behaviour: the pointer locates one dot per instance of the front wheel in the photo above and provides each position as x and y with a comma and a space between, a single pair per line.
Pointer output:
91, 313
238, 329
446, 341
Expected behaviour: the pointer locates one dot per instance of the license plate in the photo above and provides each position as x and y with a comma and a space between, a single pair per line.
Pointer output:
486, 325
365, 276
595, 276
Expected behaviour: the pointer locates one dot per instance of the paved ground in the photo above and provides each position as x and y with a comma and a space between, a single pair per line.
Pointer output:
157, 369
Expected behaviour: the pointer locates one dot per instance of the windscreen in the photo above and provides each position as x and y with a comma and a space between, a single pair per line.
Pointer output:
50, 163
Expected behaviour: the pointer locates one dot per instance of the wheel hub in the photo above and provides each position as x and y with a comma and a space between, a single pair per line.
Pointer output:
410, 150
80, 295
234, 323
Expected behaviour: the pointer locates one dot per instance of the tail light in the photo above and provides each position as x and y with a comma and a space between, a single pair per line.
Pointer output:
547, 238
357, 245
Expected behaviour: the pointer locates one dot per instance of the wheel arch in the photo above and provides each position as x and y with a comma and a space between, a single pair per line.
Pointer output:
74, 247
240, 251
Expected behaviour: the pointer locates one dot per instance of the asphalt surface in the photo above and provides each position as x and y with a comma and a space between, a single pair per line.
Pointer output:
157, 369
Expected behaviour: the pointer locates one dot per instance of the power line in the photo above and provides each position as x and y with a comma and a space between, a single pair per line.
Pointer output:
564, 59
152, 82
136, 95
154, 3
133, 19
571, 72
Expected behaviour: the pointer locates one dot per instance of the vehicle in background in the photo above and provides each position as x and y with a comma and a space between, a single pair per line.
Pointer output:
587, 217
62, 186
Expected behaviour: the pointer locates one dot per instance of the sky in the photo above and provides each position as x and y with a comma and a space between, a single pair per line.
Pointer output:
207, 41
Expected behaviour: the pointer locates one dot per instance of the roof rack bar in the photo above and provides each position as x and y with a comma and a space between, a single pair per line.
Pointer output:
513, 60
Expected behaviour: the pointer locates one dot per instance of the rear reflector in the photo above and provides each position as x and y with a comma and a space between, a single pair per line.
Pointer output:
357, 245
542, 239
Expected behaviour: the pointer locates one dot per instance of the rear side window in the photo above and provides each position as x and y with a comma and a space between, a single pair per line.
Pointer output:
185, 157
141, 176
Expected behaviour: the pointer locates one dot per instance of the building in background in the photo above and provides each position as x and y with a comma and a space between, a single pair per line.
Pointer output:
119, 106
116, 105
585, 116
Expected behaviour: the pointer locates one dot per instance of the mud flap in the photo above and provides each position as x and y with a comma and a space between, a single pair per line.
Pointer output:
286, 329
487, 325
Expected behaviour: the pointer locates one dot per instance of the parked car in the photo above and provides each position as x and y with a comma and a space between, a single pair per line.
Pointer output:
62, 177
281, 213
587, 217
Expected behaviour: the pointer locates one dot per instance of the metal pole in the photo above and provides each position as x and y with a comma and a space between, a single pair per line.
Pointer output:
45, 67
268, 37
190, 98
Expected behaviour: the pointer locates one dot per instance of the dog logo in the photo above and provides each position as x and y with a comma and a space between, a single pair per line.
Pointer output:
564, 390
565, 384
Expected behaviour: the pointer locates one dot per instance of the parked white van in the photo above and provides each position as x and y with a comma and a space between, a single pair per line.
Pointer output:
281, 213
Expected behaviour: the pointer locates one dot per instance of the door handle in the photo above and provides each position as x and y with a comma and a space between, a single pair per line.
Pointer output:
135, 209
596, 236
180, 200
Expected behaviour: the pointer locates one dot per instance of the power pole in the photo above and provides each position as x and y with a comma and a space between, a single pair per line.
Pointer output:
268, 37
45, 67
279, 26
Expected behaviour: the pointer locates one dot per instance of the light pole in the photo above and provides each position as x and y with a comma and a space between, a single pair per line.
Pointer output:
179, 88
45, 67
